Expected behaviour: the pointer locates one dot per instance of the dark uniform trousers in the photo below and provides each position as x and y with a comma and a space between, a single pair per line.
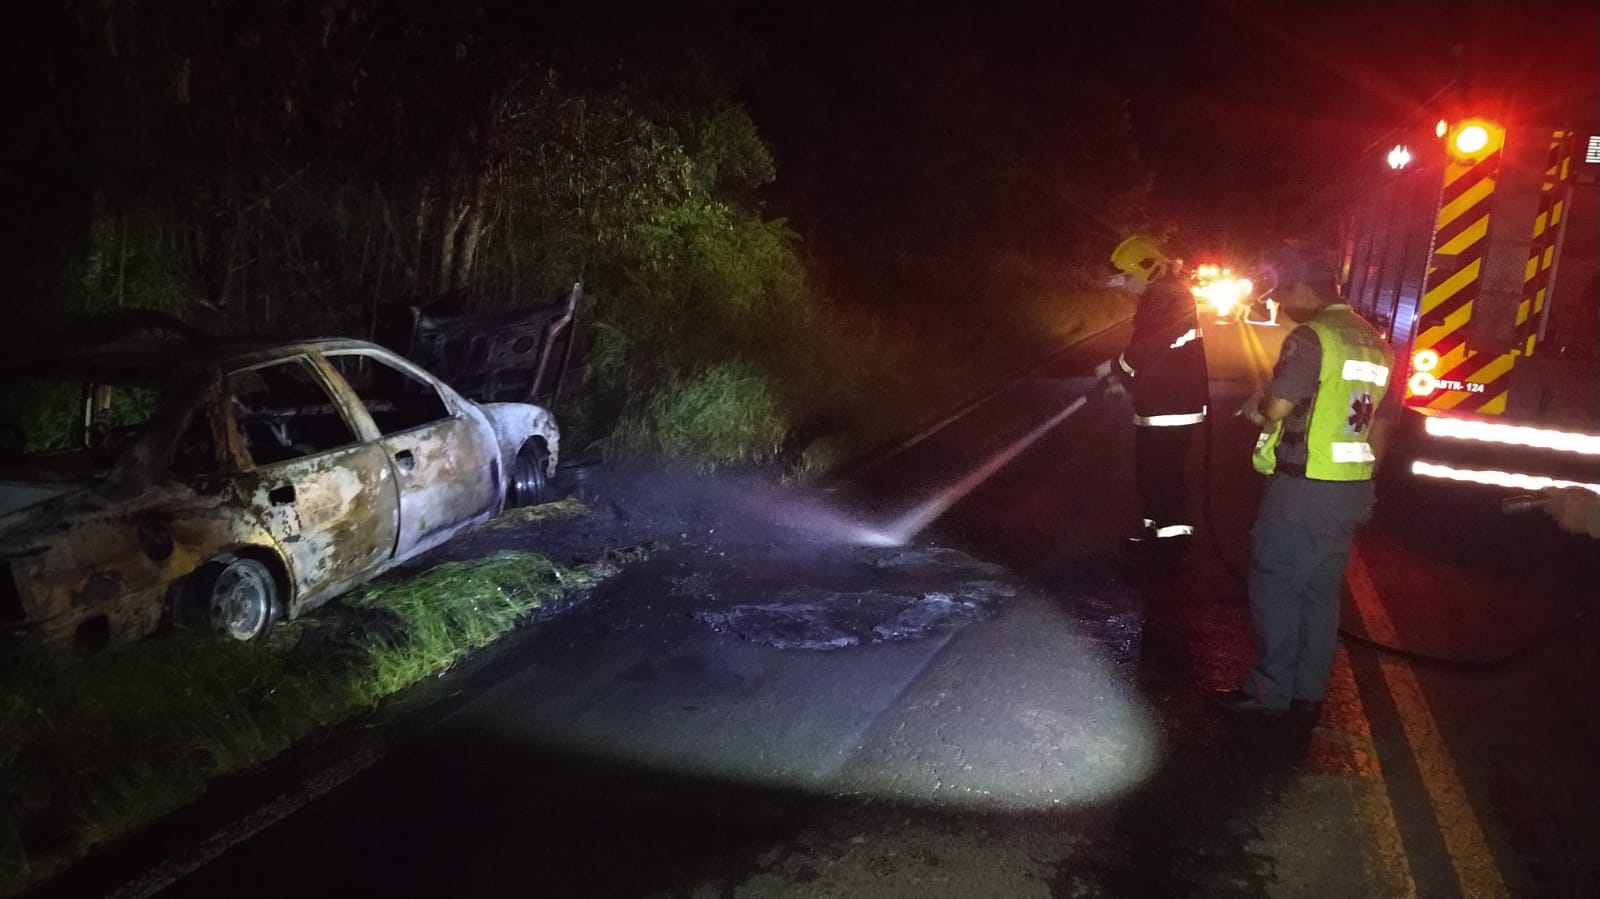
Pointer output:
1160, 459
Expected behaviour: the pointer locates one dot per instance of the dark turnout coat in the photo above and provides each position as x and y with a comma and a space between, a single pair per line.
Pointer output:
1165, 362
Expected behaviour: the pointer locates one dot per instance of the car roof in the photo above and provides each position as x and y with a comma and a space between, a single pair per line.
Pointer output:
161, 360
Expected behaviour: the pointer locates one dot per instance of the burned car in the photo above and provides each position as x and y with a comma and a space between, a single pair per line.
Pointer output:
231, 484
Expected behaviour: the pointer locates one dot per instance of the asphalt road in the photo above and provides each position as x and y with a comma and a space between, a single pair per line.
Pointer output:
775, 704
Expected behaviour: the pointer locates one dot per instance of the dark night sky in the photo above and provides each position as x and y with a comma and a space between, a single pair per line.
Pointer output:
1239, 105
1300, 90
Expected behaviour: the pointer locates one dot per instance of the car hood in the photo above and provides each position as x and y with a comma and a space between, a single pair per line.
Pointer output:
34, 512
15, 496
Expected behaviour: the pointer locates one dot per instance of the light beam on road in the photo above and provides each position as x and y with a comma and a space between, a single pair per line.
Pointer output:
1023, 712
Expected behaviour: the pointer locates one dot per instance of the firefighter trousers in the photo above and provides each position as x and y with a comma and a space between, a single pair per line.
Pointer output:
1161, 464
1298, 553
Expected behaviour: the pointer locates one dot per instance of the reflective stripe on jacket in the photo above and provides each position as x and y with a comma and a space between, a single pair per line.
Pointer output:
1354, 376
1172, 420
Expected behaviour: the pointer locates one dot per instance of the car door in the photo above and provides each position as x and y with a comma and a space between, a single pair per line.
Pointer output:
326, 496
444, 459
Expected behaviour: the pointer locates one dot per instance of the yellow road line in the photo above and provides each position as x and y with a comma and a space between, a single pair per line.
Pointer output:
1386, 859
1259, 364
1458, 824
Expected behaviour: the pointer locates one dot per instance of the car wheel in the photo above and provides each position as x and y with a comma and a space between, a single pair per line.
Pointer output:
530, 476
240, 598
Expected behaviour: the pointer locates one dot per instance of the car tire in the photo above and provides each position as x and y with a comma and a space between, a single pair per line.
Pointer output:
238, 597
529, 483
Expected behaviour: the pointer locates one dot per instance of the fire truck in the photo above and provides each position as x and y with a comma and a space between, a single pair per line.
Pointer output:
1473, 248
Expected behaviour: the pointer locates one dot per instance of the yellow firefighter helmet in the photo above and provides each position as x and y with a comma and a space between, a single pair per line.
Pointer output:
1140, 257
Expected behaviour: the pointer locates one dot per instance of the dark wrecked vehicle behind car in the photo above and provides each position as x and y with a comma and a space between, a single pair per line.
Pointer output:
228, 485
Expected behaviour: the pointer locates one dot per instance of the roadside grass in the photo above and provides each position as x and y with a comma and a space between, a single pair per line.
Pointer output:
567, 507
726, 413
448, 611
98, 748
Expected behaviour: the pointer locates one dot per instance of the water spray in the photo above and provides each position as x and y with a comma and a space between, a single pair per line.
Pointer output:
912, 522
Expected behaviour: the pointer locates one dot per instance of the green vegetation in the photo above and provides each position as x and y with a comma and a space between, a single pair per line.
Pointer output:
99, 747
50, 414
324, 169
448, 611
725, 414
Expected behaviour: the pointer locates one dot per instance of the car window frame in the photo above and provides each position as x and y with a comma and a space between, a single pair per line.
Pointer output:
204, 397
346, 402
451, 400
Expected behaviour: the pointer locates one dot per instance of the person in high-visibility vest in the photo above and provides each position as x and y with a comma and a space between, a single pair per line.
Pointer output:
1164, 366
1323, 418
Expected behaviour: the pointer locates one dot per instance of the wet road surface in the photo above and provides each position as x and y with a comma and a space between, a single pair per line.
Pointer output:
770, 706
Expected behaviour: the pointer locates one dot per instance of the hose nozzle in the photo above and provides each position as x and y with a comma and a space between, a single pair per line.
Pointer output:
1522, 502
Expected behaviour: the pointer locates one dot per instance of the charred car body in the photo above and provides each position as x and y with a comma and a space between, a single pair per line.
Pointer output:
232, 484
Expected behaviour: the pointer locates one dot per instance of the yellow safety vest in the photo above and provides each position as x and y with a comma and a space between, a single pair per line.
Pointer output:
1356, 365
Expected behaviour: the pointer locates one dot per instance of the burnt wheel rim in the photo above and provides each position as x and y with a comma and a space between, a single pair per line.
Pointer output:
241, 601
528, 477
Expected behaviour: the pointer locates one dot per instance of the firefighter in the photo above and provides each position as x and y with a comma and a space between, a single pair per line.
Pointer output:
1323, 419
1164, 365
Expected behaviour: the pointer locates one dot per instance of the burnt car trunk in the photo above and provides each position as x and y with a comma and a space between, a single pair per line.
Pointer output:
520, 356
